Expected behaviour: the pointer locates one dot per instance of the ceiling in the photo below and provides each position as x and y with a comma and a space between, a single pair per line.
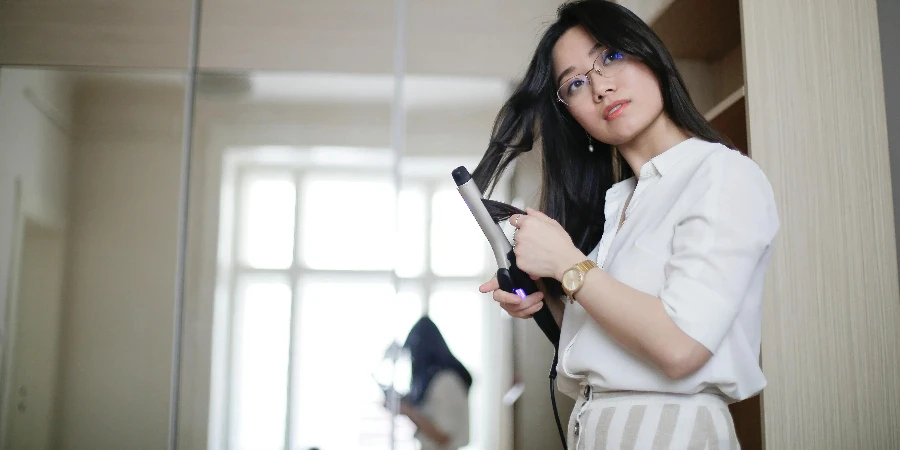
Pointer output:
420, 92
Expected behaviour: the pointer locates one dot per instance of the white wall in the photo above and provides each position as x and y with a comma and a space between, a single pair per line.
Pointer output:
34, 147
118, 324
34, 374
34, 112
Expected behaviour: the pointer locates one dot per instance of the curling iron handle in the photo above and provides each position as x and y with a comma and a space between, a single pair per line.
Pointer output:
516, 281
507, 284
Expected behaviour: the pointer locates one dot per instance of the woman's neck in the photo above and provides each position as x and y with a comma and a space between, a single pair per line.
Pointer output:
661, 135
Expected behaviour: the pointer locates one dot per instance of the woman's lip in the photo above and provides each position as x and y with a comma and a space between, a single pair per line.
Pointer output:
619, 107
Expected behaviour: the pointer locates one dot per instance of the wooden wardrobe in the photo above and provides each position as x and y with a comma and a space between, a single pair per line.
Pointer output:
798, 86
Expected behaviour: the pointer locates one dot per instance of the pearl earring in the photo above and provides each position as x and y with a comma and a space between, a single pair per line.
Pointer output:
590, 144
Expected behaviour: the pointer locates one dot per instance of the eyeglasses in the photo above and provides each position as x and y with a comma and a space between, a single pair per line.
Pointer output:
607, 64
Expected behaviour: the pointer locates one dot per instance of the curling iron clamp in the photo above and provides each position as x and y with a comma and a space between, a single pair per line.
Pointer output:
510, 277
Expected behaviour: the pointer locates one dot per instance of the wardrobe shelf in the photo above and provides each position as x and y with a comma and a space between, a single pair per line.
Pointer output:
729, 102
730, 118
699, 29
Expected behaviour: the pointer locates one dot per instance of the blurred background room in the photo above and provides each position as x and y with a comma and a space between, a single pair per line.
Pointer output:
216, 216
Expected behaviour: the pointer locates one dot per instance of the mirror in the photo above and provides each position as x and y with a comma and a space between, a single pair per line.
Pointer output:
313, 245
314, 223
88, 246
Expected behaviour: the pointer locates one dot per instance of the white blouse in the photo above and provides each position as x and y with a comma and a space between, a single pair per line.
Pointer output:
446, 404
698, 235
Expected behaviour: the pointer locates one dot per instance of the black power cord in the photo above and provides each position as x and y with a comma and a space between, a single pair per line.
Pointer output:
562, 435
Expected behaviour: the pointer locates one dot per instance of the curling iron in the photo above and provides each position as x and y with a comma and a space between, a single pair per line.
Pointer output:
511, 278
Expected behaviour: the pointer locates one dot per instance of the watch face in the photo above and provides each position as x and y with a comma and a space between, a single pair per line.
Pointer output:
572, 279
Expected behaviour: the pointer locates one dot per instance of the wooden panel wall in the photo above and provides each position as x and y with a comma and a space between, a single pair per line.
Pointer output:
340, 36
831, 320
464, 37
106, 33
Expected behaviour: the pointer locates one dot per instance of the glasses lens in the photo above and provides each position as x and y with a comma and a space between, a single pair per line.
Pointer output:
573, 88
609, 62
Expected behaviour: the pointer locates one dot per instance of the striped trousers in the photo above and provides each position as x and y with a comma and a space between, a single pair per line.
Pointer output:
650, 421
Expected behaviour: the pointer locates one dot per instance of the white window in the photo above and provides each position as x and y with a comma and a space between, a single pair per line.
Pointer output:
326, 266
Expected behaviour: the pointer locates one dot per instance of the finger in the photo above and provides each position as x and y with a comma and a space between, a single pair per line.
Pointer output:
528, 312
505, 298
527, 302
491, 285
534, 277
517, 220
538, 215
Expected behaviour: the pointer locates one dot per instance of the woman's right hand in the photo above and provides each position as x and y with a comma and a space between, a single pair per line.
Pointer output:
516, 306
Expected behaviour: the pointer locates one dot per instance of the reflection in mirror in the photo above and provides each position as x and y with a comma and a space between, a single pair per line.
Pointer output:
312, 247
87, 255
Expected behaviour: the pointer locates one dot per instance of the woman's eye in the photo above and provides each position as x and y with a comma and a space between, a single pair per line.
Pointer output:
611, 57
574, 85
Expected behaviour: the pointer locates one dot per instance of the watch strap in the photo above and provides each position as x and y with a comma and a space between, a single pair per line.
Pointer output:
585, 266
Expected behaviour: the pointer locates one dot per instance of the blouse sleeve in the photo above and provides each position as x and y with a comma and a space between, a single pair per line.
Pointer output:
718, 245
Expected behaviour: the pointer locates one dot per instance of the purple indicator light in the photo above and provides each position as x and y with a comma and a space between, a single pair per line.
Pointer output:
520, 292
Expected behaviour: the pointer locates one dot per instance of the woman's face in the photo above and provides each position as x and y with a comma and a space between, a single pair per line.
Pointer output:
616, 108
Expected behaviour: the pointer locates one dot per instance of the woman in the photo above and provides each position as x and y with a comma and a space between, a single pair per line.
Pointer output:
653, 231
438, 399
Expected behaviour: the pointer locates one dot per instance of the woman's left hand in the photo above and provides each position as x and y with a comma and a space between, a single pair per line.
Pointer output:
542, 247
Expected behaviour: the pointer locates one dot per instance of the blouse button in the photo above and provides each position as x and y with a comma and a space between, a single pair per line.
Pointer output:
577, 428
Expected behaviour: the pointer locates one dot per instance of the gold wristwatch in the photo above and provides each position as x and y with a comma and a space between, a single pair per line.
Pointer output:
573, 278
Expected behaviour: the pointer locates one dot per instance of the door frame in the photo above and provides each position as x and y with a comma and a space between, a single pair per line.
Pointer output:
10, 310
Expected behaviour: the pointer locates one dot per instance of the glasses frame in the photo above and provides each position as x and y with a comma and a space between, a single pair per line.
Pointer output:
586, 75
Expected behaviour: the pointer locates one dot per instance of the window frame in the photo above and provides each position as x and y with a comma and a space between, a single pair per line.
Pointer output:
237, 269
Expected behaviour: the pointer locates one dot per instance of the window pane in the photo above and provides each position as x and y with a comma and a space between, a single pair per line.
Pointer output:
267, 216
346, 324
409, 307
348, 223
459, 312
260, 367
411, 231
458, 247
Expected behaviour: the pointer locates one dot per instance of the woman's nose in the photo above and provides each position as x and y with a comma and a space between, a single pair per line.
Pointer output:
601, 85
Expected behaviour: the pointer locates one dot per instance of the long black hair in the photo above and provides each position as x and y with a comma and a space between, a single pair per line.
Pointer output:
430, 355
574, 181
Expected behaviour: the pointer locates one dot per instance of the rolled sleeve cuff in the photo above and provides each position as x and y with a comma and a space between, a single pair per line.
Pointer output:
699, 312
